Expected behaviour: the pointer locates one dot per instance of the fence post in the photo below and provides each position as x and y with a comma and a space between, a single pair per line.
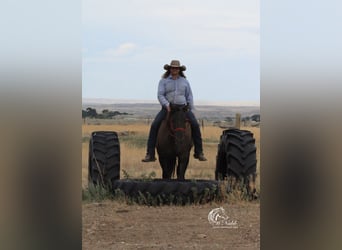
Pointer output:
237, 120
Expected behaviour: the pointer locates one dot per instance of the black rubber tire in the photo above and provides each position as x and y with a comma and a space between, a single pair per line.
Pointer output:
104, 158
170, 191
236, 154
221, 163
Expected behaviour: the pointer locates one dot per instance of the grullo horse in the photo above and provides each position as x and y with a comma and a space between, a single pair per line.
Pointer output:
174, 142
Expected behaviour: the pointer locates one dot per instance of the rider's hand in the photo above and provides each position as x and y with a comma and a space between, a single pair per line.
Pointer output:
168, 108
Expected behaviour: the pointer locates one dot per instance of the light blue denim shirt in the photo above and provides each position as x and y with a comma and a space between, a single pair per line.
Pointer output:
175, 91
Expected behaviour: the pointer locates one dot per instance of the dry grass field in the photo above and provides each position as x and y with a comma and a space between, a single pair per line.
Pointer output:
133, 138
113, 224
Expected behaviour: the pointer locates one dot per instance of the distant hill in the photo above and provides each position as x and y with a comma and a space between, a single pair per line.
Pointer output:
148, 110
198, 102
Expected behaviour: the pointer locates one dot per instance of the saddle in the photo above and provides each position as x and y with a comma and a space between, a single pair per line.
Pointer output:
176, 107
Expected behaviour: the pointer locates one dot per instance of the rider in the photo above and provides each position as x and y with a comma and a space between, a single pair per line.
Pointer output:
174, 88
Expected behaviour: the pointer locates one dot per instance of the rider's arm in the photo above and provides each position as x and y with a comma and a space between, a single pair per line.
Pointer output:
162, 94
189, 97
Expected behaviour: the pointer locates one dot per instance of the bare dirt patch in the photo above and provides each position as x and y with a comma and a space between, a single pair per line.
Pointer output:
116, 225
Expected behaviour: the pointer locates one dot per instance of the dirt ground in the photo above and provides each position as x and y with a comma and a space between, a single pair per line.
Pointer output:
117, 225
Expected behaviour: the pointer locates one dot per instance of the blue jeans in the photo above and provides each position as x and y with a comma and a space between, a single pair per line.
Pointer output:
195, 130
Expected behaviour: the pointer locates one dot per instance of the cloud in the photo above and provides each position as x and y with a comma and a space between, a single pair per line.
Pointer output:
121, 50
112, 54
228, 25
220, 36
107, 11
252, 27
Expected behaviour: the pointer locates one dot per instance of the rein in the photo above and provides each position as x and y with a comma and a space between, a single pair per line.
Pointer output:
179, 129
172, 129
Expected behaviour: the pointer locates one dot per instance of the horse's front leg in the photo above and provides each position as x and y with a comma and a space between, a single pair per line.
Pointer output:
167, 166
183, 162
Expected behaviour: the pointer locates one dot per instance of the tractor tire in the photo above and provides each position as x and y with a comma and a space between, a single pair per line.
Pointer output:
236, 154
169, 191
221, 163
104, 158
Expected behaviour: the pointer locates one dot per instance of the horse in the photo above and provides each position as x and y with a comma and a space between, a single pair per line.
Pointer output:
174, 142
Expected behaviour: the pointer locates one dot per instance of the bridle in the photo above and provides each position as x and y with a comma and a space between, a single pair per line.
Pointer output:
172, 129
175, 108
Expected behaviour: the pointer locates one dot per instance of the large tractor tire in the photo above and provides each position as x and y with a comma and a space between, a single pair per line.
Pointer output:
236, 157
104, 158
161, 191
221, 162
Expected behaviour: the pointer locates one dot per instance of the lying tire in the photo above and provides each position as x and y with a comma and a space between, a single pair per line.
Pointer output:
168, 191
104, 158
236, 154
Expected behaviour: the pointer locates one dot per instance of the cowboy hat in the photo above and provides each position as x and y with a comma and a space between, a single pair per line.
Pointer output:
174, 64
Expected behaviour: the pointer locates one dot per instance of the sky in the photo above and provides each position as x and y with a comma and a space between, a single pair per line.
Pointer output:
125, 45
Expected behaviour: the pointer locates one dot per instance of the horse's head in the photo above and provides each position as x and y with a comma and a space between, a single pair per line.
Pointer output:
177, 124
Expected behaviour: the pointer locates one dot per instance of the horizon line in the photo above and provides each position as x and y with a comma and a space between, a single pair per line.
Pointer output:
93, 100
